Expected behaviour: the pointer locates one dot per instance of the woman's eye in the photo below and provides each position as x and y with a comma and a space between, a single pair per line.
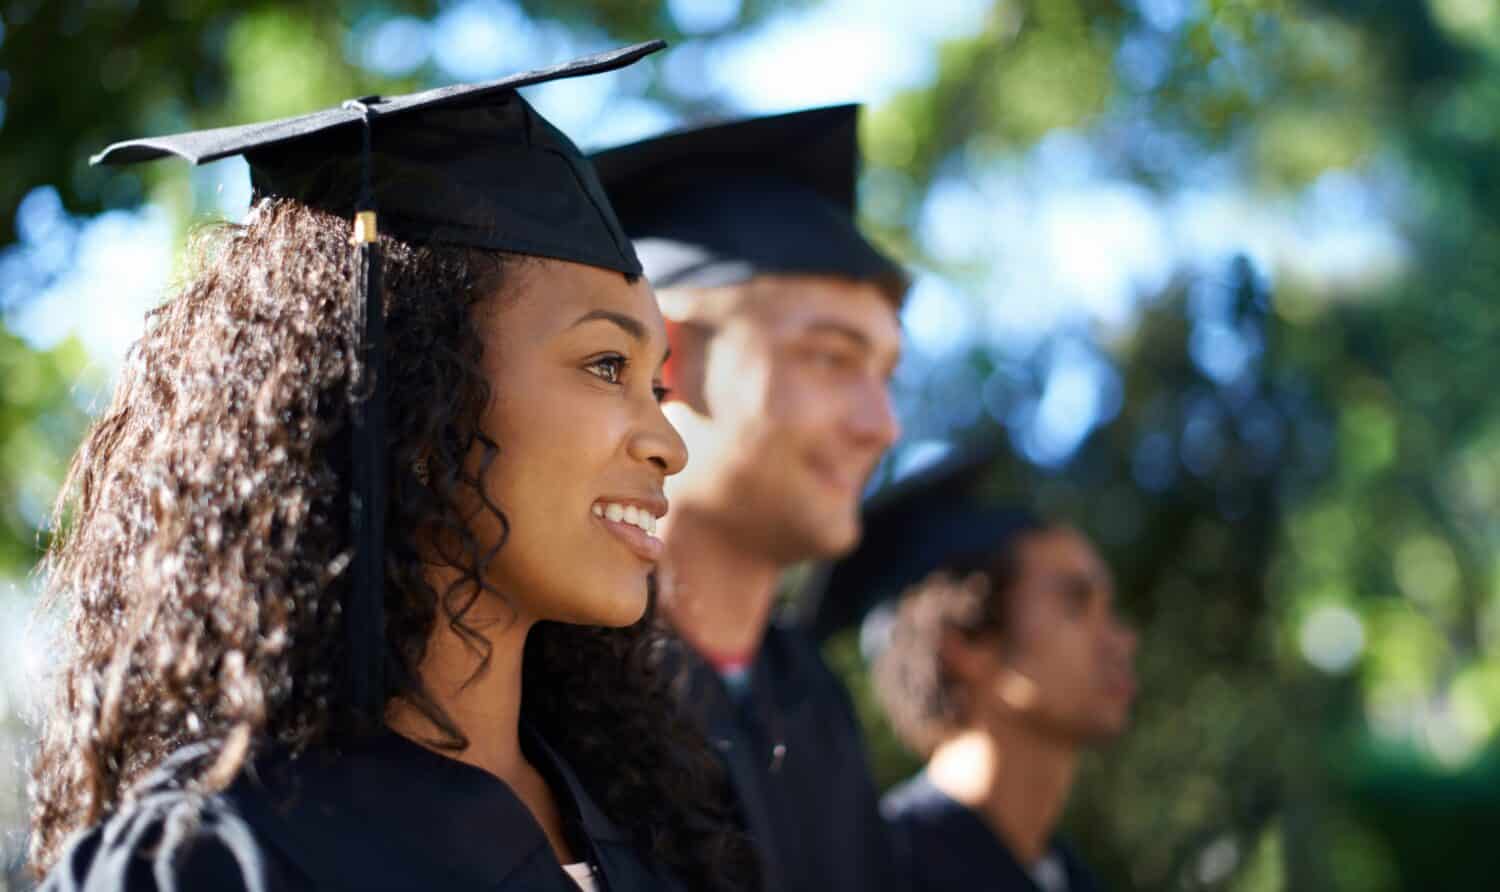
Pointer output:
610, 368
661, 393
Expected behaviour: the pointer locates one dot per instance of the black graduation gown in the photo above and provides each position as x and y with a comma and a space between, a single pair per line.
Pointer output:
796, 761
385, 816
943, 845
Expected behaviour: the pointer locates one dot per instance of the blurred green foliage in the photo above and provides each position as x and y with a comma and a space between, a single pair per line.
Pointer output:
1342, 485
1342, 490
40, 420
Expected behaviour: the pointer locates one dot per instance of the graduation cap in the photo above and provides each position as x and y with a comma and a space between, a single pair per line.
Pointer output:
719, 205
469, 164
932, 520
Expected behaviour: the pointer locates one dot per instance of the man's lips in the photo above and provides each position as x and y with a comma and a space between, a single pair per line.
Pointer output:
831, 474
1122, 686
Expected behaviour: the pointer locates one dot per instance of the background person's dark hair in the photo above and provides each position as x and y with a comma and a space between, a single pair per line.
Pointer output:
968, 594
202, 536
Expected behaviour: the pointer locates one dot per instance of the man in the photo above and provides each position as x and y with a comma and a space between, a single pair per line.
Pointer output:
1001, 667
784, 331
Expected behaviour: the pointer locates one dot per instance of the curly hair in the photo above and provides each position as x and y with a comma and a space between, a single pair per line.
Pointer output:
967, 595
202, 541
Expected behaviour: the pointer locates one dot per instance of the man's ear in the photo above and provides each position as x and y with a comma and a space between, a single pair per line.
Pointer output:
960, 657
682, 374
671, 377
981, 668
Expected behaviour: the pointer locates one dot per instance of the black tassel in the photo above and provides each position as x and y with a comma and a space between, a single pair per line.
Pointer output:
364, 613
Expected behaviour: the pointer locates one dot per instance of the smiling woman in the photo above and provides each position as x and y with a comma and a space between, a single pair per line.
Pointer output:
582, 364
204, 732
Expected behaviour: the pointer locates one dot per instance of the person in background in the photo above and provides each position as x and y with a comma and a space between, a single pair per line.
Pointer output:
784, 330
1000, 668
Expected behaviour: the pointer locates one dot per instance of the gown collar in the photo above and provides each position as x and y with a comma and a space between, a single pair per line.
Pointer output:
389, 813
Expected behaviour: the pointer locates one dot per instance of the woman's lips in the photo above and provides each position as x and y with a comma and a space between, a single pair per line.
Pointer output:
645, 546
633, 522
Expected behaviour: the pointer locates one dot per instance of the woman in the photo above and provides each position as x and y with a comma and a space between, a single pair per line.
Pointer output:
203, 734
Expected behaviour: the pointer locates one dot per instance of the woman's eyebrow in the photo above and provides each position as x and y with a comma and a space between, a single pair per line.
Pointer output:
631, 325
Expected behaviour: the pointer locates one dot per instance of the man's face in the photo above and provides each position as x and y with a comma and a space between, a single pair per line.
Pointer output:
784, 403
1065, 664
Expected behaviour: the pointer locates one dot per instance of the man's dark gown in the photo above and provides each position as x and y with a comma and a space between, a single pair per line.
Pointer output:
385, 816
942, 845
796, 761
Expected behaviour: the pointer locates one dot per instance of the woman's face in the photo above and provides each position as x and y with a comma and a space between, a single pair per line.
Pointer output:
574, 355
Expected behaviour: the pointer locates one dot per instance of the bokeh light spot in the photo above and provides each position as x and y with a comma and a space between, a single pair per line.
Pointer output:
699, 16
1332, 638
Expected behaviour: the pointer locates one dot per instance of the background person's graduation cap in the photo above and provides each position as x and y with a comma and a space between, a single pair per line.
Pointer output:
933, 520
719, 205
469, 164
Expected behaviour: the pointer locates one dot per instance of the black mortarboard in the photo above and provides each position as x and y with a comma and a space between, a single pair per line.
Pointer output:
469, 164
930, 521
718, 205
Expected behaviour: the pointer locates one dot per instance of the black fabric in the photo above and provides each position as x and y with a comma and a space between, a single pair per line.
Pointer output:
385, 816
810, 807
470, 164
941, 845
719, 205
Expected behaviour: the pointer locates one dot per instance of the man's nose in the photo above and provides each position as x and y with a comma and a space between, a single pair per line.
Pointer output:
873, 416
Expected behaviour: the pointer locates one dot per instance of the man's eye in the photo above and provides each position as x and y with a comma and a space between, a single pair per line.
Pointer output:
1077, 597
610, 368
833, 359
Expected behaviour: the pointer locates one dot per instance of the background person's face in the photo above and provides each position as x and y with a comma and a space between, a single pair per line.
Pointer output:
574, 356
1065, 662
788, 412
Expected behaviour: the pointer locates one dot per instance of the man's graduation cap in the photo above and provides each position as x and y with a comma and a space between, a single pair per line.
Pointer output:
930, 521
469, 164
719, 205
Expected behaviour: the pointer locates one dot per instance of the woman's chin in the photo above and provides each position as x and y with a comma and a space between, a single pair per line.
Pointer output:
623, 607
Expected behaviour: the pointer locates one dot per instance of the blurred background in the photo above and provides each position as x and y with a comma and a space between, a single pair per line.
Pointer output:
1220, 275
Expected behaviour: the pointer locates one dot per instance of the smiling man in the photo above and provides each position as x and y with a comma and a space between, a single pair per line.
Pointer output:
784, 330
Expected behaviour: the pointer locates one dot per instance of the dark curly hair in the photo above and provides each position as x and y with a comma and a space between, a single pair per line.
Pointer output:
202, 540
967, 595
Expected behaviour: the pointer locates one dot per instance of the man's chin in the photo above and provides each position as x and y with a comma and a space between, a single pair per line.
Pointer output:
1108, 727
804, 538
835, 539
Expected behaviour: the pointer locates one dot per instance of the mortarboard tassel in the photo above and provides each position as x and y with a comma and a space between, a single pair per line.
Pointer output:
364, 614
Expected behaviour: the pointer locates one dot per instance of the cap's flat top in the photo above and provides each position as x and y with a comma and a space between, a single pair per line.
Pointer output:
816, 149
468, 164
201, 146
721, 204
